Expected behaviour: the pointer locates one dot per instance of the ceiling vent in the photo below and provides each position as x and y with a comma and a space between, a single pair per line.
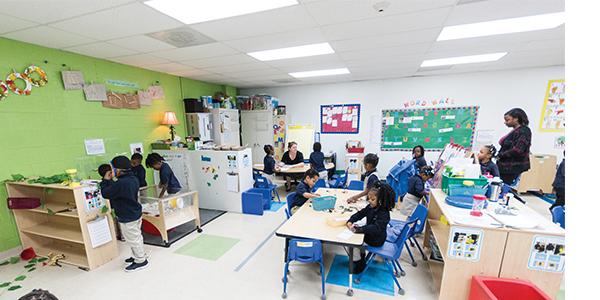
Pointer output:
181, 37
463, 2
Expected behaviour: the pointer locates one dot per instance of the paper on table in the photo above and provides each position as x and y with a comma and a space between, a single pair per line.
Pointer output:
99, 232
345, 234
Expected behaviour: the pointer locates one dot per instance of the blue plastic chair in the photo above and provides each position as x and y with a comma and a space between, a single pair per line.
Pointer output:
420, 216
304, 251
356, 185
339, 181
390, 252
289, 199
558, 215
263, 183
319, 184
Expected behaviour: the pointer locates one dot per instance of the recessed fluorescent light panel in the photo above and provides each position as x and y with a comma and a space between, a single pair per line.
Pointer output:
463, 59
293, 52
196, 11
531, 23
317, 73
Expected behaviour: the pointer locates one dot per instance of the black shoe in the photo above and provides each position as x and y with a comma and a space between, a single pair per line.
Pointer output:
137, 266
130, 260
358, 266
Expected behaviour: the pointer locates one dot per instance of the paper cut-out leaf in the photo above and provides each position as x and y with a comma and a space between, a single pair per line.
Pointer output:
14, 287
20, 278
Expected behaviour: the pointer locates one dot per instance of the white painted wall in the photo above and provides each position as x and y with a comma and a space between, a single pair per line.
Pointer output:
494, 92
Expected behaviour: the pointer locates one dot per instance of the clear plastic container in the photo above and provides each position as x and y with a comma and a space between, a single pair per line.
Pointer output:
478, 205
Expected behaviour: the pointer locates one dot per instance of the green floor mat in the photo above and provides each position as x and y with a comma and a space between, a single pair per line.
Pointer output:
209, 247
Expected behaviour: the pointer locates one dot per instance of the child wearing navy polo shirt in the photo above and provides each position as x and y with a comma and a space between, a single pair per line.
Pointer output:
304, 188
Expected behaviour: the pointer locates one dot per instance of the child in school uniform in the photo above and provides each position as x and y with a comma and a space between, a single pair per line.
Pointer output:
559, 185
317, 161
138, 169
418, 153
168, 181
416, 190
123, 196
381, 198
304, 188
486, 153
369, 177
269, 163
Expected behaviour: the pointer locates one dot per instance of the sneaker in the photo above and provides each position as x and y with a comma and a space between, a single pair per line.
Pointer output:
137, 266
130, 260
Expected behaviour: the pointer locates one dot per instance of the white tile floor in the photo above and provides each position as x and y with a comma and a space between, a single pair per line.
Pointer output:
174, 276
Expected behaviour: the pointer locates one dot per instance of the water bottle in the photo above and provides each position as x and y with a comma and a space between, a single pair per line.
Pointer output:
495, 189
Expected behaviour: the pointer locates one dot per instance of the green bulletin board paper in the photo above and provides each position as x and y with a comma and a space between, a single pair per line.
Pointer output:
433, 128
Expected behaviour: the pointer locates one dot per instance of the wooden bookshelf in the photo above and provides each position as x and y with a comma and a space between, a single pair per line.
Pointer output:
62, 232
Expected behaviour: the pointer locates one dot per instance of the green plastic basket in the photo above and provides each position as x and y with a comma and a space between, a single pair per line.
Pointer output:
323, 203
446, 181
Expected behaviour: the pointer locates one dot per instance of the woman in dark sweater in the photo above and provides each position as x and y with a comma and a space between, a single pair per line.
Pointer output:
292, 158
513, 157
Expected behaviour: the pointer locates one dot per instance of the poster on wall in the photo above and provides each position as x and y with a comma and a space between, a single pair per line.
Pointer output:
340, 118
136, 148
145, 98
94, 147
95, 92
553, 111
73, 80
465, 243
547, 254
279, 135
156, 92
113, 100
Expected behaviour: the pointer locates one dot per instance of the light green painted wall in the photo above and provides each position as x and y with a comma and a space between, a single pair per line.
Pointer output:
43, 134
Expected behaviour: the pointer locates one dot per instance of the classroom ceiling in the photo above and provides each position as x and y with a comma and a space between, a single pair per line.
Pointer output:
370, 44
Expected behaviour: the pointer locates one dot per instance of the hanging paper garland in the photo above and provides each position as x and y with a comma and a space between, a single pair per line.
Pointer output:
10, 81
36, 82
3, 90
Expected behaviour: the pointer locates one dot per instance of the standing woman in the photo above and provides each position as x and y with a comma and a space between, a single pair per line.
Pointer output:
292, 158
513, 157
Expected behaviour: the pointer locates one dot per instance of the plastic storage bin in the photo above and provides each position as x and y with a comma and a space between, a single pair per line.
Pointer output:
461, 190
492, 288
446, 181
323, 203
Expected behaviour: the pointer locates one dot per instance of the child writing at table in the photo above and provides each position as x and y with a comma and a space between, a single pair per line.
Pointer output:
304, 188
168, 181
416, 190
381, 198
369, 178
486, 153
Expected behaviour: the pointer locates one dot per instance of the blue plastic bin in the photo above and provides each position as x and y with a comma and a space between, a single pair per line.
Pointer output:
323, 203
256, 200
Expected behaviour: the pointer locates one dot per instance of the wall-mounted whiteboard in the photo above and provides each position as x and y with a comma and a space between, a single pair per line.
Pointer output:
303, 135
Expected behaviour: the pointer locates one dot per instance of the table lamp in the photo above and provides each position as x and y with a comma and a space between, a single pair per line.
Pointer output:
170, 119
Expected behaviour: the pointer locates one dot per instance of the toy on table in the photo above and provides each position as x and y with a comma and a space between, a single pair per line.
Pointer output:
478, 205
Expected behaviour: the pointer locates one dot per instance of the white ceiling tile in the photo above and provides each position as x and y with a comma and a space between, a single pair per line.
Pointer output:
387, 25
320, 61
260, 74
257, 24
557, 44
9, 23
170, 67
359, 10
140, 60
49, 37
239, 67
196, 52
386, 52
141, 43
390, 40
399, 61
132, 19
100, 50
45, 11
221, 61
278, 40
191, 72
502, 9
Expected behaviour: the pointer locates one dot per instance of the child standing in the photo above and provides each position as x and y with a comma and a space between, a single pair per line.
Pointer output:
168, 181
304, 188
486, 153
381, 198
418, 153
317, 161
269, 163
370, 177
416, 190
138, 169
123, 196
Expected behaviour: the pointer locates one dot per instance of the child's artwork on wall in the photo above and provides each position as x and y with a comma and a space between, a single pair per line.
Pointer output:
145, 98
95, 92
131, 101
113, 100
340, 118
156, 92
553, 111
73, 80
279, 135
547, 254
465, 243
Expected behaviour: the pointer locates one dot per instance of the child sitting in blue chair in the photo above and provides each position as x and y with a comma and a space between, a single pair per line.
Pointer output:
381, 201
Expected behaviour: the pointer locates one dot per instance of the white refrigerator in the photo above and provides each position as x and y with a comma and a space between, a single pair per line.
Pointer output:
226, 126
199, 125
257, 131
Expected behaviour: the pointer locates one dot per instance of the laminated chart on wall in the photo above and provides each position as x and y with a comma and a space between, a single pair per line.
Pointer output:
303, 135
433, 128
340, 118
465, 243
553, 111
547, 254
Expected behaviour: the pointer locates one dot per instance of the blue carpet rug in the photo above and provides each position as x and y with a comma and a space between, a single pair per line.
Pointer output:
550, 198
377, 279
275, 206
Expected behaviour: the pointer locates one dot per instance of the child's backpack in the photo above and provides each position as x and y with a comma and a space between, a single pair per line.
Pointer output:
399, 175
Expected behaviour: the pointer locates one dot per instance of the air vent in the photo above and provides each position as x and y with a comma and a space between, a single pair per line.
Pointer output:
462, 2
286, 80
428, 69
181, 37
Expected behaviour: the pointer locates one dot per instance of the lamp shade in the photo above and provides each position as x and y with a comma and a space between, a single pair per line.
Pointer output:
169, 119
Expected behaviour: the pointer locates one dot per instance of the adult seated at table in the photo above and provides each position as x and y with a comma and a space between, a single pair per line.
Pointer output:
292, 158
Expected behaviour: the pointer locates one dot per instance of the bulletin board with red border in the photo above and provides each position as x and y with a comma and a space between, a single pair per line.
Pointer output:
433, 128
340, 118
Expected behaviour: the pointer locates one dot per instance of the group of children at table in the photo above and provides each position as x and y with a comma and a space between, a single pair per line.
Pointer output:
122, 181
380, 195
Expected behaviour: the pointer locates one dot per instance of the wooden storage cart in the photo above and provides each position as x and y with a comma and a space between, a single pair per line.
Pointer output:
64, 232
168, 215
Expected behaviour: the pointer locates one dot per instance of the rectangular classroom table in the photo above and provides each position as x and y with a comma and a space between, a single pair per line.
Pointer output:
492, 245
292, 170
310, 224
